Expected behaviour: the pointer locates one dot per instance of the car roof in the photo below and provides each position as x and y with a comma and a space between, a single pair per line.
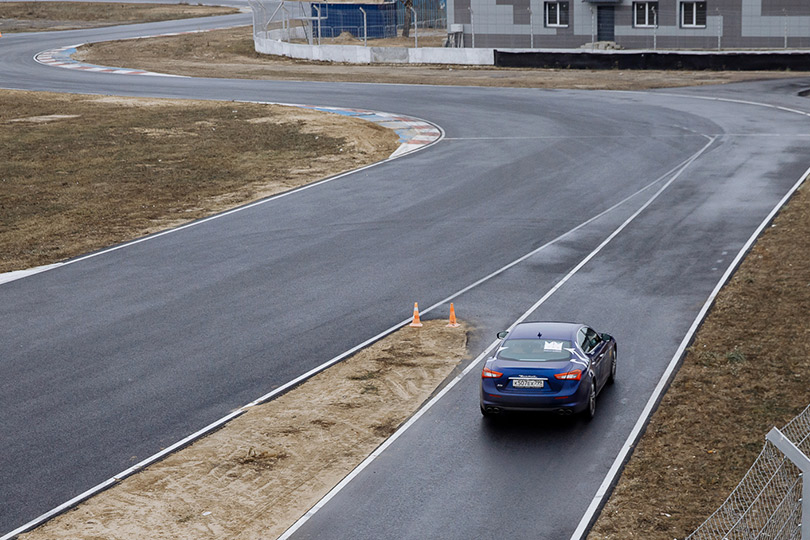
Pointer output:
546, 330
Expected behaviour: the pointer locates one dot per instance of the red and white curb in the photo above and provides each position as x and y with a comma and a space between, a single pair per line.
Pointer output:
414, 133
61, 57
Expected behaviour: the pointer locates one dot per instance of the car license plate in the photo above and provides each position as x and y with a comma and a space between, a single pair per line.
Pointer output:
527, 383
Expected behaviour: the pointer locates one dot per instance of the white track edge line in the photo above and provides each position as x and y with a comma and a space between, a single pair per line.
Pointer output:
218, 423
385, 444
421, 411
247, 206
664, 382
608, 480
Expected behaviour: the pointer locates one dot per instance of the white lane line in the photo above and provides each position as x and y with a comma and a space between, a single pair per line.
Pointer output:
215, 425
613, 473
608, 480
8, 278
357, 470
726, 100
567, 137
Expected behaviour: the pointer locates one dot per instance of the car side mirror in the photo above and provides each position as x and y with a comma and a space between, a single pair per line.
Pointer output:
503, 334
607, 337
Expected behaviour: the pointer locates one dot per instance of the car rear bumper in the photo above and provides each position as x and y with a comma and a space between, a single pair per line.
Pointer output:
496, 402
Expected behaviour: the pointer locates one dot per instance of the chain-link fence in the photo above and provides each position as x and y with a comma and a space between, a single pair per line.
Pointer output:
428, 13
285, 20
767, 504
323, 23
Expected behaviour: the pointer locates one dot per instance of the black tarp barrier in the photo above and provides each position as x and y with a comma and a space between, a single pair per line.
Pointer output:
720, 61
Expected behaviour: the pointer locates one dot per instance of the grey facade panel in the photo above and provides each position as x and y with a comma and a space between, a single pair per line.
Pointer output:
786, 7
729, 24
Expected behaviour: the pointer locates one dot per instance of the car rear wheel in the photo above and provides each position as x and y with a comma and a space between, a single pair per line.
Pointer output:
612, 377
590, 410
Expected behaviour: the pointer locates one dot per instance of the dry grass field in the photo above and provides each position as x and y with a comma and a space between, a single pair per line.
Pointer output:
80, 173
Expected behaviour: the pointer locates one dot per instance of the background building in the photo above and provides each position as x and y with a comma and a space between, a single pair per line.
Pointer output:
662, 24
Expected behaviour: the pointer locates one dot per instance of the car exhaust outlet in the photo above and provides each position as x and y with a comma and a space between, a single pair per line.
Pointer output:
564, 412
493, 410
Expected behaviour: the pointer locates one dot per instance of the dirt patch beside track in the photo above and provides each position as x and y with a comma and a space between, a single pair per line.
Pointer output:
262, 471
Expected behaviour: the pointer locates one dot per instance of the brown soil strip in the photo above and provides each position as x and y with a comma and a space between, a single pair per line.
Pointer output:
746, 371
41, 16
262, 471
229, 53
84, 172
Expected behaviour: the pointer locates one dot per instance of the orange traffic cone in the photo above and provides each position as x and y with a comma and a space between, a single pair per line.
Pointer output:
416, 323
453, 322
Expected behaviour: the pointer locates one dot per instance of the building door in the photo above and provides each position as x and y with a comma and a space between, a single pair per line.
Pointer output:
605, 29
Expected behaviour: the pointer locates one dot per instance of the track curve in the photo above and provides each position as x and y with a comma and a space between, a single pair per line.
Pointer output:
126, 352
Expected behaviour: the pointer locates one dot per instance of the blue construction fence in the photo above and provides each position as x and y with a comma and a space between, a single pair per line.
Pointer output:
381, 20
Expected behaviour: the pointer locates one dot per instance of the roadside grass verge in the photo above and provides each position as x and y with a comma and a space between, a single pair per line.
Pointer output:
81, 173
43, 16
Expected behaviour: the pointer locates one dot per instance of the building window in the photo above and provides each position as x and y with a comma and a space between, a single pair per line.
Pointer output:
693, 14
645, 14
556, 14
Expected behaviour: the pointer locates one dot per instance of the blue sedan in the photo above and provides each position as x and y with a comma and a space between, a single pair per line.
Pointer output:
548, 366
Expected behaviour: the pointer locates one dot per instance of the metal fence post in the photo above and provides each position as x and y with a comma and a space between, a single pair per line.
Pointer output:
273, 16
531, 27
472, 26
318, 9
794, 454
415, 29
719, 28
284, 25
365, 27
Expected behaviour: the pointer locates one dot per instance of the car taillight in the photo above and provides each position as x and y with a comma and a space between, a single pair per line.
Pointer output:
489, 374
569, 375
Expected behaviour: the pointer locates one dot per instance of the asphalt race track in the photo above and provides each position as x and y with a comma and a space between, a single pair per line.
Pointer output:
111, 358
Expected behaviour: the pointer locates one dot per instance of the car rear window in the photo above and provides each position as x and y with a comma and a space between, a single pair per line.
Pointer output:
535, 350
